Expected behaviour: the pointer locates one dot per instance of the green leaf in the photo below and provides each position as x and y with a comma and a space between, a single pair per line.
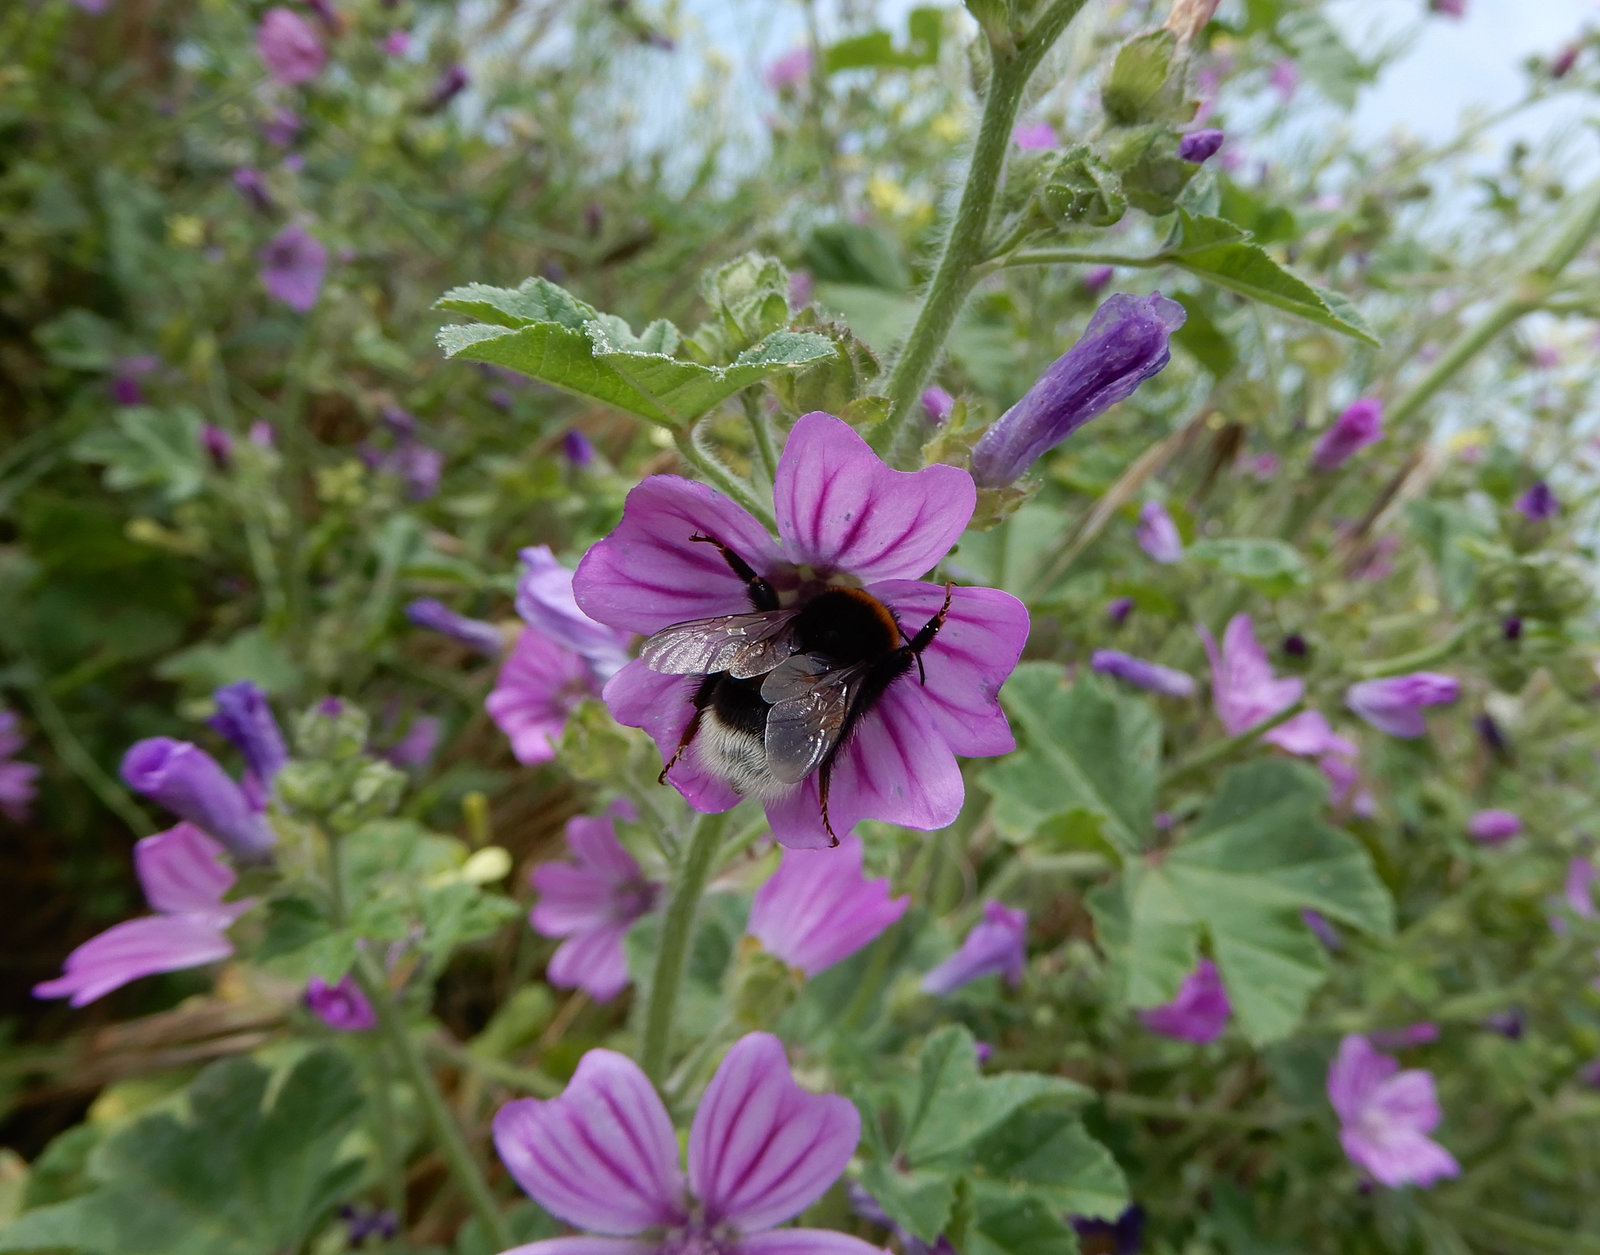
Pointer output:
1084, 749
235, 1176
1272, 567
1202, 338
80, 339
1018, 1226
250, 655
544, 332
876, 49
1045, 1153
143, 447
1257, 857
918, 1202
1247, 268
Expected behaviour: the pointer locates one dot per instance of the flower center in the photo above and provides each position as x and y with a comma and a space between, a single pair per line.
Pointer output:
697, 1239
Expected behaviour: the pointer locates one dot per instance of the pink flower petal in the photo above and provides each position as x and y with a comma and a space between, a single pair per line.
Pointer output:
182, 871
818, 908
537, 687
586, 1245
892, 770
1400, 1157
761, 1149
602, 1156
1356, 1073
1407, 1098
135, 948
594, 961
840, 508
800, 1242
663, 705
648, 574
969, 660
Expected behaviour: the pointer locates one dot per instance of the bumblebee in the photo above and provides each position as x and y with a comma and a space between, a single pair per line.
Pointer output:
784, 687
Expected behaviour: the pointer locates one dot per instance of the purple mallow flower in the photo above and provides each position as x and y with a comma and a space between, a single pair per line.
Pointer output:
997, 945
126, 374
546, 603
292, 268
342, 1007
818, 908
187, 781
1118, 609
937, 405
218, 445
449, 85
1028, 135
1245, 692
853, 521
604, 1157
1360, 424
1200, 1011
1200, 146
1395, 704
1322, 929
289, 48
184, 880
17, 786
1124, 344
789, 71
1141, 674
435, 616
1538, 503
536, 690
1386, 1115
244, 717
1494, 826
396, 43
1157, 534
591, 903
282, 128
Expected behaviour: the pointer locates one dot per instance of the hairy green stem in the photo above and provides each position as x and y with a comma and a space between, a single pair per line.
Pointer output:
964, 245
447, 1135
712, 470
761, 433
528, 1080
672, 951
1419, 658
1220, 751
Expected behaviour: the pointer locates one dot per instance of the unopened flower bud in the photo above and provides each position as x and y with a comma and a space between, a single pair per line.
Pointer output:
1125, 343
1358, 426
1200, 146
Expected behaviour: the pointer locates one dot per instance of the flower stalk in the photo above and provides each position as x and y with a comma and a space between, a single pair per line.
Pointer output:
1011, 68
672, 953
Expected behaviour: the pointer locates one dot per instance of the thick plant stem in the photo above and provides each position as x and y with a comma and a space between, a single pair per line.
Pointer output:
964, 246
447, 1135
711, 469
672, 953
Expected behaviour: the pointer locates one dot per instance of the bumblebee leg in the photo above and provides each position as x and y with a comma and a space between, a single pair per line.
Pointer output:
759, 591
824, 780
702, 699
930, 629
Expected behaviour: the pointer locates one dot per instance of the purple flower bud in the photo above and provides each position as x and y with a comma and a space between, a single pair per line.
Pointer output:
1124, 344
593, 218
342, 1007
1561, 64
996, 945
188, 782
449, 85
1419, 1034
289, 47
801, 289
403, 423
420, 467
1510, 1024
1448, 8
576, 448
282, 128
1322, 929
362, 1223
126, 373
1142, 674
396, 43
1035, 135
1494, 826
1361, 424
937, 405
789, 71
1490, 734
1538, 503
1511, 628
1200, 146
253, 188
1200, 1011
1118, 609
1122, 1236
1395, 704
1157, 534
417, 746
218, 446
244, 717
1094, 281
262, 435
1295, 645
292, 267
434, 615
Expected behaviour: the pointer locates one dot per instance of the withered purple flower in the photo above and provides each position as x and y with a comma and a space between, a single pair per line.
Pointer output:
1143, 674
1200, 1011
1360, 424
1124, 344
292, 268
342, 1007
1395, 704
478, 634
190, 783
997, 945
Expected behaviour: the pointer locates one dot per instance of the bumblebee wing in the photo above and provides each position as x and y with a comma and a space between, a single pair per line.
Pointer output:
744, 644
811, 699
